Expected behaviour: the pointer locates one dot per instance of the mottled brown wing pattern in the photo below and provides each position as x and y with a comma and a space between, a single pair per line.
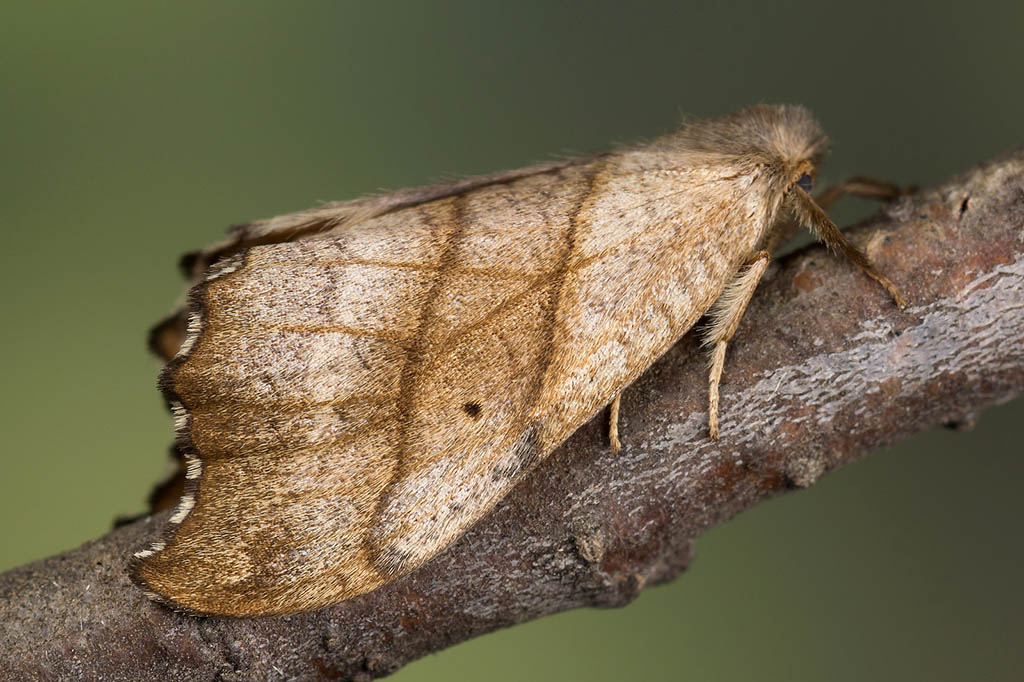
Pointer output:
616, 300
324, 403
358, 399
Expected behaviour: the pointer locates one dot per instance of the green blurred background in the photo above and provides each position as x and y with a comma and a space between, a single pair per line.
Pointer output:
132, 132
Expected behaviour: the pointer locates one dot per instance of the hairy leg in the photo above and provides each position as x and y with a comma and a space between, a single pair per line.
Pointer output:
726, 314
613, 424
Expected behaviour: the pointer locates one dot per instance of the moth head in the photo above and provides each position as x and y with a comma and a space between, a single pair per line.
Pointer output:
788, 146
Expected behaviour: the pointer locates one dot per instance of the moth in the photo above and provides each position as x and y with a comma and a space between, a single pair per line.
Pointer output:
354, 385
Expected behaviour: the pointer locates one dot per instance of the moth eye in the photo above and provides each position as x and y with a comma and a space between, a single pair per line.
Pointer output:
805, 183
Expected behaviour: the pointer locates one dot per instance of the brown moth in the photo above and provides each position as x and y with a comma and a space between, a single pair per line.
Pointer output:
353, 386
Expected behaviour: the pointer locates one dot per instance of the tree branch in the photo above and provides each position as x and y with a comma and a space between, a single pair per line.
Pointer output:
823, 369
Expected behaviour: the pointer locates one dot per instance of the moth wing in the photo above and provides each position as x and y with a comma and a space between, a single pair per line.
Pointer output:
349, 404
320, 375
631, 262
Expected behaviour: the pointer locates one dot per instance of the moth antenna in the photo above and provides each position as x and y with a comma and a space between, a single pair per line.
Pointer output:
817, 221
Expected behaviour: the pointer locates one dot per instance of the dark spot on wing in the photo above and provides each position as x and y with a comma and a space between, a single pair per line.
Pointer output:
472, 409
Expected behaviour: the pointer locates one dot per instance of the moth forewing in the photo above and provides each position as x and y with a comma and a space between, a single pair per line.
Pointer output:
367, 380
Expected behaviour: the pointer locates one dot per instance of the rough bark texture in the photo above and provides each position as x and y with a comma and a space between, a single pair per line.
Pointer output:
823, 369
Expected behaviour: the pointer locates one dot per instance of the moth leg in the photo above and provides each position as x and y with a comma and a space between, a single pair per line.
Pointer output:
613, 424
726, 314
811, 215
867, 188
864, 187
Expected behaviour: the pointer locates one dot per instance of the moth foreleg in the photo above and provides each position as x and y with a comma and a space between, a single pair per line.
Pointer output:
726, 314
613, 424
811, 215
860, 186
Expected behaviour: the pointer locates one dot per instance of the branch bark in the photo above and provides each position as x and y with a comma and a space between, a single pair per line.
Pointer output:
823, 369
